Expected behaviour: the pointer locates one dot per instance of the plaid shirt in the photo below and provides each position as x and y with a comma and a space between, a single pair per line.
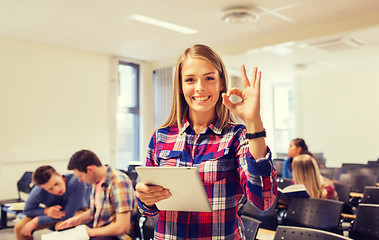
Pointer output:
117, 197
229, 174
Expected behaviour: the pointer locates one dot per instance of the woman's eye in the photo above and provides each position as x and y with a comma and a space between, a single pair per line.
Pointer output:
209, 78
189, 80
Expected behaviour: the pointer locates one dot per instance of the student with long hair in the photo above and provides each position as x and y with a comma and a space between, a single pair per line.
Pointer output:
233, 160
297, 147
306, 171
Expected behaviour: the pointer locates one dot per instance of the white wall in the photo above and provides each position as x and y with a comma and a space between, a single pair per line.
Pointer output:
338, 114
53, 102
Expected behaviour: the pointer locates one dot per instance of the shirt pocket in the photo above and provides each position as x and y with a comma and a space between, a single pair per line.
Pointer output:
218, 168
169, 158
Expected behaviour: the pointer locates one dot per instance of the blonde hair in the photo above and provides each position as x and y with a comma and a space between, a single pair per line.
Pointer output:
306, 171
179, 107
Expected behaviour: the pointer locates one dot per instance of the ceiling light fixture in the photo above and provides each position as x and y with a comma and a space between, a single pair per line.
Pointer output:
239, 15
162, 24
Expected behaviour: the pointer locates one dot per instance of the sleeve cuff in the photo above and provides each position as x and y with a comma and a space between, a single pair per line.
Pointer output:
149, 211
261, 166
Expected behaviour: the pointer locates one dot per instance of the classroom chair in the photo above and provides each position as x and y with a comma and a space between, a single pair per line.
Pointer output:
366, 224
358, 182
268, 218
24, 185
322, 214
251, 226
343, 192
331, 173
278, 163
370, 195
146, 227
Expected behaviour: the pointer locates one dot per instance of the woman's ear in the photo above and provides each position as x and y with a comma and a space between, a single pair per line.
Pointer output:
298, 150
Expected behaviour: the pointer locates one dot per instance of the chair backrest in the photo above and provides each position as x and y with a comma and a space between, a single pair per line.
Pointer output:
251, 226
254, 212
364, 171
357, 181
267, 218
282, 155
331, 173
25, 183
323, 214
366, 225
278, 163
348, 166
370, 195
320, 158
149, 227
290, 232
343, 191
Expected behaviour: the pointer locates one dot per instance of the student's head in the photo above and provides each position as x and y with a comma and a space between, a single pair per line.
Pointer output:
84, 164
199, 62
297, 147
305, 171
51, 181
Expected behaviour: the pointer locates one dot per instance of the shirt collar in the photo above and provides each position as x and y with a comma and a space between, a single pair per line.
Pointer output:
107, 177
214, 126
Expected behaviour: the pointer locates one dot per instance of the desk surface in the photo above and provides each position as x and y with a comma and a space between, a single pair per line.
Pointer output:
356, 195
265, 234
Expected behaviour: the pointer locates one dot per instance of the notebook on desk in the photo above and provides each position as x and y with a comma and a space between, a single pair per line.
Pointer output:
289, 192
75, 233
185, 185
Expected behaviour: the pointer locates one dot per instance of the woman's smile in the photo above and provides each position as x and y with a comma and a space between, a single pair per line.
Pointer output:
201, 98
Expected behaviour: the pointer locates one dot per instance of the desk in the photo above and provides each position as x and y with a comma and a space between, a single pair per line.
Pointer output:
265, 234
10, 206
348, 216
356, 195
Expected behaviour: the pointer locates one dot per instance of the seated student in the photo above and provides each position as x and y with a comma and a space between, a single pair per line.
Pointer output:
62, 195
297, 147
306, 171
112, 198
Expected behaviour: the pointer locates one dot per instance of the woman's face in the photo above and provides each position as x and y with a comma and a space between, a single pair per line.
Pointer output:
201, 86
293, 150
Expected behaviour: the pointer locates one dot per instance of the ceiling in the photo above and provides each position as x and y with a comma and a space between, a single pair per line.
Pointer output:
281, 41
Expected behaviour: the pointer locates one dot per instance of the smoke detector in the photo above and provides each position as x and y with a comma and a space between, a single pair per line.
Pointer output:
239, 15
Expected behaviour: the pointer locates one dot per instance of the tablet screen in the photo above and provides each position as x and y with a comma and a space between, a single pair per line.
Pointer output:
185, 185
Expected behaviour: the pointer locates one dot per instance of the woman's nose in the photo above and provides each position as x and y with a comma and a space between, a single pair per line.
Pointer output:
199, 86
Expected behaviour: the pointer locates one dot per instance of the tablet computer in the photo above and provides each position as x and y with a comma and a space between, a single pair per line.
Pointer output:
185, 185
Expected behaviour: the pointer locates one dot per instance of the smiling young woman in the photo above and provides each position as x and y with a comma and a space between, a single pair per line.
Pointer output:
201, 132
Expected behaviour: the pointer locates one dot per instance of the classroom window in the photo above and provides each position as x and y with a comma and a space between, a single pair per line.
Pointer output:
162, 95
284, 117
127, 114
